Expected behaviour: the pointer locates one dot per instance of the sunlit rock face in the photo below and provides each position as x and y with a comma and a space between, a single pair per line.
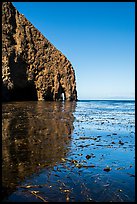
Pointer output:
32, 68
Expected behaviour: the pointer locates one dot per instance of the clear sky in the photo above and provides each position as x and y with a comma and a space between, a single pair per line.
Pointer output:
98, 38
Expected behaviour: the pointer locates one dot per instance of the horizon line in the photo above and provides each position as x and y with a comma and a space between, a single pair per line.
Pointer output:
127, 99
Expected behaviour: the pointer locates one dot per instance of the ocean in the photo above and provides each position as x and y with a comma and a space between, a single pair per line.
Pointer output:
68, 151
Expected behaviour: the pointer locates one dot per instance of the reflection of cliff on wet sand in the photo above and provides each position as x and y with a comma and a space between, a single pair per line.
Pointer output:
34, 135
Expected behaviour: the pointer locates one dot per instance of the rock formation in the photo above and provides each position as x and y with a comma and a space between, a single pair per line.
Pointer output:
32, 68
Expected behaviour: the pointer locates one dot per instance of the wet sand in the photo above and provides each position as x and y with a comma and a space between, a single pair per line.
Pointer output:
68, 151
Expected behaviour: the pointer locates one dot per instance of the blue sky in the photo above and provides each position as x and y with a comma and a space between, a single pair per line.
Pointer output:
97, 37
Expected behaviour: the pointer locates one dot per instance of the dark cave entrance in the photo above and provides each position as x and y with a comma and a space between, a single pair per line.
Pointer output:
62, 95
27, 93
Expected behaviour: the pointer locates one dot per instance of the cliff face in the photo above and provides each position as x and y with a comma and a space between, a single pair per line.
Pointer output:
32, 68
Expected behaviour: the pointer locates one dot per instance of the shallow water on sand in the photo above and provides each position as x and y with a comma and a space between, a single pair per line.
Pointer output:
68, 151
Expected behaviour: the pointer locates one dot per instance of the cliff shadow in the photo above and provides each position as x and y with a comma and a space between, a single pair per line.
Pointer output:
23, 89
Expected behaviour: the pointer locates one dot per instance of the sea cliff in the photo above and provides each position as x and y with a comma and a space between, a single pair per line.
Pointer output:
32, 68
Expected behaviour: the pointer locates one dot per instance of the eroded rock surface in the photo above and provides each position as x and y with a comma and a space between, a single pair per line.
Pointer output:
32, 68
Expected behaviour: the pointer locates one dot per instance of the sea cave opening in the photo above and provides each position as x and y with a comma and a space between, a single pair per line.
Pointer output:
27, 93
63, 96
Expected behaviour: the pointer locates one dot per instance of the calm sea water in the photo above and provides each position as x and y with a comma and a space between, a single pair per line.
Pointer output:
68, 151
